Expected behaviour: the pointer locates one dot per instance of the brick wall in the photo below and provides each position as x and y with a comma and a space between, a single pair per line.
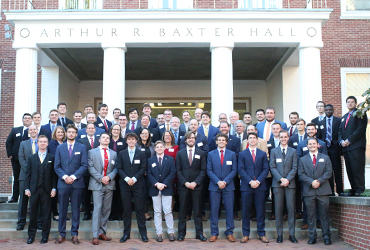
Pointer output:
353, 223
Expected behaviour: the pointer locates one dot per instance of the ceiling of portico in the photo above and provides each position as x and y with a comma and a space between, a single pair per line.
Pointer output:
171, 63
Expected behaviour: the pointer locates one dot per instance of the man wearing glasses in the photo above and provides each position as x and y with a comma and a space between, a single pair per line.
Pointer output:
320, 107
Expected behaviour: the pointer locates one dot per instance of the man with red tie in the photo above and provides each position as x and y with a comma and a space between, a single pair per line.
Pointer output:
101, 121
293, 117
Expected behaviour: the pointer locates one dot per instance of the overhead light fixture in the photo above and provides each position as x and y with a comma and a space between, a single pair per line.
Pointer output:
201, 105
181, 103
159, 104
189, 103
151, 104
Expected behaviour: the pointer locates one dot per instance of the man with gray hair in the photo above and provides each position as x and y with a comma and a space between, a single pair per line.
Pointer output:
175, 129
90, 117
234, 117
240, 130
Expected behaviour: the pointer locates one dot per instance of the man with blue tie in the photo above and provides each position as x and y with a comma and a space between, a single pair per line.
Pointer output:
70, 165
320, 107
264, 128
53, 123
207, 129
62, 119
253, 168
221, 169
101, 121
234, 116
175, 129
77, 117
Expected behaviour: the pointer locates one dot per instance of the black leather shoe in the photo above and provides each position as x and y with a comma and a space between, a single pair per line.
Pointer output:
124, 238
144, 238
327, 241
20, 228
312, 241
12, 201
30, 241
279, 239
181, 238
201, 238
55, 219
357, 194
87, 217
44, 241
293, 239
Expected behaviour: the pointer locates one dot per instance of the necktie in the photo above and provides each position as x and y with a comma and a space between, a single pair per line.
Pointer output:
64, 122
253, 156
175, 134
300, 138
106, 127
206, 131
114, 146
106, 161
78, 127
52, 128
33, 147
291, 131
41, 158
284, 153
133, 126
222, 157
247, 145
240, 137
167, 126
349, 115
92, 143
328, 135
190, 157
131, 156
160, 163
70, 150
314, 161
268, 131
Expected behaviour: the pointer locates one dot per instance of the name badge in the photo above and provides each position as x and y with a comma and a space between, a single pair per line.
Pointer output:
17, 135
295, 144
321, 160
113, 162
171, 150
83, 136
77, 153
29, 135
137, 161
200, 144
317, 126
229, 163
180, 136
342, 119
153, 165
278, 160
143, 149
151, 134
197, 156
100, 124
119, 143
268, 145
162, 126
49, 161
97, 135
305, 149
322, 127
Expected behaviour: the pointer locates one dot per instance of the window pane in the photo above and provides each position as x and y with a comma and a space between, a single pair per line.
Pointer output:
357, 4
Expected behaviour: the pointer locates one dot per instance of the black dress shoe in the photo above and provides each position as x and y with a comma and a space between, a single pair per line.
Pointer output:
30, 241
55, 219
124, 238
293, 239
12, 201
357, 194
201, 238
279, 239
144, 238
67, 219
312, 241
20, 228
87, 217
181, 238
44, 241
120, 218
327, 241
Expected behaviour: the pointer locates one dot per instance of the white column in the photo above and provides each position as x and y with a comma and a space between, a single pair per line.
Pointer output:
25, 94
310, 81
49, 90
222, 95
114, 77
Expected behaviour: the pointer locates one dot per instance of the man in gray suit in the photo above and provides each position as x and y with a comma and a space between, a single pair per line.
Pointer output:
26, 149
102, 168
314, 171
283, 166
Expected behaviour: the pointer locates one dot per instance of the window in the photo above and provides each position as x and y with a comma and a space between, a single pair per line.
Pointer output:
260, 4
170, 4
355, 9
80, 4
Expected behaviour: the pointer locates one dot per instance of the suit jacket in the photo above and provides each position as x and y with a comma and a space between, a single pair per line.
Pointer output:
82, 125
249, 170
135, 169
50, 178
43, 131
121, 144
271, 145
302, 149
99, 124
153, 122
75, 165
212, 132
201, 143
316, 121
13, 142
68, 121
281, 167
138, 125
164, 176
191, 173
183, 127
321, 131
154, 132
161, 129
294, 140
96, 169
262, 144
52, 147
47, 128
85, 141
355, 131
82, 132
261, 127
25, 151
322, 172
233, 144
225, 172
295, 130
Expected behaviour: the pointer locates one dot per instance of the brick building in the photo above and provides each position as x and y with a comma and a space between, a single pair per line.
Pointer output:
220, 55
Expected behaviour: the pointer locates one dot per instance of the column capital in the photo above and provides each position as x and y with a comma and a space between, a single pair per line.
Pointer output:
114, 44
316, 45
221, 44
26, 46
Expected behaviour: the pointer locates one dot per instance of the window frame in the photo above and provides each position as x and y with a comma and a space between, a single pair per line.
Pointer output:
158, 4
352, 14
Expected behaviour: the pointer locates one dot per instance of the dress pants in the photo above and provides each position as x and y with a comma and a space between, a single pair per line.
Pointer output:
215, 200
322, 202
281, 194
259, 202
298, 195
163, 202
237, 195
269, 184
334, 154
40, 200
117, 208
22, 206
64, 194
87, 196
355, 165
187, 195
102, 207
16, 171
138, 196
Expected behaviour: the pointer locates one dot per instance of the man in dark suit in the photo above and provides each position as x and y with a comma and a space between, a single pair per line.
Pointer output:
234, 116
40, 187
328, 132
241, 132
221, 169
264, 128
12, 148
116, 113
315, 170
70, 165
53, 122
154, 132
77, 117
191, 167
233, 143
253, 169
283, 166
175, 129
320, 107
134, 123
91, 118
36, 119
122, 121
63, 120
352, 138
101, 121
147, 109
91, 141
293, 117
186, 118
131, 166
201, 140
207, 129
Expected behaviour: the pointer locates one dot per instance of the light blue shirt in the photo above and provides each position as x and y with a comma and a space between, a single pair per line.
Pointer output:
131, 154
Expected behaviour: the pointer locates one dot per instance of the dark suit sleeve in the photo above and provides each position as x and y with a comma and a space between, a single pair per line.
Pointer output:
299, 152
180, 176
213, 145
83, 165
120, 170
275, 173
9, 143
303, 176
151, 178
205, 146
142, 167
324, 149
290, 143
292, 173
360, 129
168, 180
265, 169
210, 173
230, 177
54, 177
241, 169
340, 135
203, 169
238, 146
182, 143
28, 175
328, 172
58, 164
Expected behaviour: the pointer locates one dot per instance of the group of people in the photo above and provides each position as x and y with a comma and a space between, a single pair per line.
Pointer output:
120, 163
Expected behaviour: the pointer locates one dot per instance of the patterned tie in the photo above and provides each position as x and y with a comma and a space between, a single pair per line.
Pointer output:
328, 135
70, 150
42, 158
349, 115
78, 127
190, 157
253, 156
206, 131
34, 147
92, 143
133, 126
268, 131
106, 161
314, 160
106, 127
222, 158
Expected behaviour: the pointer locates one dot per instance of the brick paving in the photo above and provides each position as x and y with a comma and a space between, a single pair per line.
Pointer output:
134, 244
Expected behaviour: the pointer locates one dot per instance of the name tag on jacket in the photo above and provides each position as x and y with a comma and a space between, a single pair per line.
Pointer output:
18, 134
200, 144
305, 149
77, 153
100, 125
197, 156
278, 160
229, 163
321, 160
119, 143
137, 161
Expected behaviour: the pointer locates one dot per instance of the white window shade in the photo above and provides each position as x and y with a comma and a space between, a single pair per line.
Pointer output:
170, 4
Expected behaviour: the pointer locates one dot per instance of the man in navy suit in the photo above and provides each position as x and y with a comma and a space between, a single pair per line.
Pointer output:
175, 129
77, 117
145, 121
264, 128
233, 143
201, 141
70, 166
101, 121
36, 119
221, 169
53, 123
320, 107
186, 118
207, 129
253, 168
62, 119
293, 117
134, 123
91, 118
147, 109
167, 122
122, 121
